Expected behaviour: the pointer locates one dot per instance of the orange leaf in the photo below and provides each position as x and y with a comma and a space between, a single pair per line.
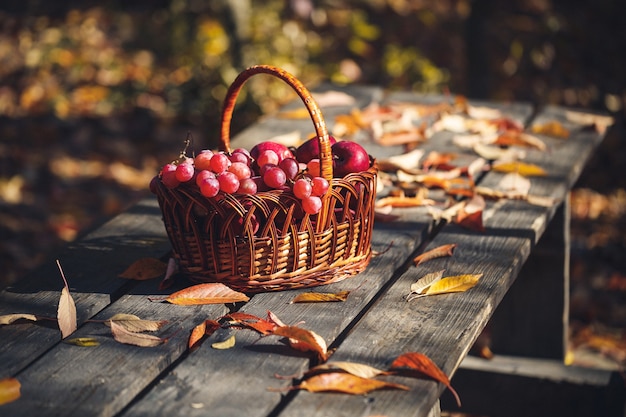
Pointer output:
438, 252
318, 297
302, 339
210, 293
345, 383
438, 160
253, 322
137, 339
527, 170
9, 390
144, 269
197, 333
551, 128
409, 363
66, 311
471, 214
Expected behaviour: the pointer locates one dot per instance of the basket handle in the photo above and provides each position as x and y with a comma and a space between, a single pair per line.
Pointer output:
325, 153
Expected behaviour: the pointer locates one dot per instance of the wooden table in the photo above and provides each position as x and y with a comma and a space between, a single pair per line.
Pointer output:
523, 256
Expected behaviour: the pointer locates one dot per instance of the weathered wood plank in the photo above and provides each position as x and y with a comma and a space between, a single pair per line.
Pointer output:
91, 266
213, 380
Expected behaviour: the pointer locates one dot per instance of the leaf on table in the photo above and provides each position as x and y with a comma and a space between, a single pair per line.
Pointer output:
471, 214
170, 273
303, 340
347, 124
262, 326
319, 297
413, 135
469, 141
418, 200
353, 368
11, 318
66, 311
514, 183
438, 252
483, 112
408, 161
552, 128
514, 138
493, 153
422, 284
134, 324
83, 341
208, 293
438, 160
206, 328
9, 390
144, 269
334, 98
600, 122
345, 383
458, 283
226, 344
130, 338
410, 363
521, 168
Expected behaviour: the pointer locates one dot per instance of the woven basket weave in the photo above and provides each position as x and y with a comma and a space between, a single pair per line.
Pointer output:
217, 239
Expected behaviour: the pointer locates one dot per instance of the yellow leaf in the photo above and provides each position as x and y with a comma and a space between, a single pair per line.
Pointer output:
458, 283
10, 318
9, 390
83, 341
521, 168
319, 297
226, 344
551, 128
345, 383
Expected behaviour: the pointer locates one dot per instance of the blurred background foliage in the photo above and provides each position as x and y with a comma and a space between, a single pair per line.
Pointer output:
95, 95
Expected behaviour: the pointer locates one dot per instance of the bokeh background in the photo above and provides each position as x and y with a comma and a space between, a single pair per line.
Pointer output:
96, 95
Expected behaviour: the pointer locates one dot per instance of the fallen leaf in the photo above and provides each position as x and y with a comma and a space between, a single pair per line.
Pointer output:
408, 363
514, 183
9, 390
206, 328
482, 112
134, 324
437, 159
408, 161
319, 297
404, 202
438, 252
494, 153
333, 98
551, 128
601, 122
356, 369
144, 269
226, 344
263, 326
10, 318
302, 339
209, 293
521, 168
83, 341
137, 339
515, 138
419, 286
345, 383
66, 311
458, 283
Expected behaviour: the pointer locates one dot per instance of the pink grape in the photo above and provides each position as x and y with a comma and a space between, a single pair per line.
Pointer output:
267, 156
240, 169
302, 188
275, 177
219, 163
312, 204
168, 176
247, 186
319, 186
290, 166
184, 172
314, 167
203, 160
202, 175
210, 187
265, 167
237, 156
229, 183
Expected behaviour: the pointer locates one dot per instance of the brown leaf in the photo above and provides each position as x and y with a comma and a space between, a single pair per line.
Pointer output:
471, 214
409, 363
514, 138
252, 322
302, 339
552, 128
210, 293
137, 339
345, 383
206, 328
134, 324
144, 269
9, 390
66, 311
10, 318
438, 252
319, 297
422, 284
356, 369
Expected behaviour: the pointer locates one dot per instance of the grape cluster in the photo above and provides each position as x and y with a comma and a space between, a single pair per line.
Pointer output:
238, 172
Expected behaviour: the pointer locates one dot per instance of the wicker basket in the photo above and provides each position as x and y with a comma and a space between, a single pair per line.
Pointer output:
217, 239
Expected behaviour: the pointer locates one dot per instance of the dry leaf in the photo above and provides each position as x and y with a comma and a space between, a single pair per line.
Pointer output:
525, 169
424, 283
226, 344
458, 283
551, 128
356, 369
438, 252
601, 122
210, 293
206, 328
134, 324
494, 153
319, 297
83, 341
144, 269
263, 326
345, 383
304, 340
66, 311
333, 98
514, 183
408, 363
137, 339
404, 202
408, 161
10, 318
515, 138
9, 390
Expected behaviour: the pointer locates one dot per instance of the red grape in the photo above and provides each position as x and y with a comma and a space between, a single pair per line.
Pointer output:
275, 177
184, 172
314, 167
302, 188
319, 186
240, 169
267, 156
247, 186
202, 175
238, 156
209, 187
312, 204
168, 176
290, 166
229, 183
219, 163
202, 160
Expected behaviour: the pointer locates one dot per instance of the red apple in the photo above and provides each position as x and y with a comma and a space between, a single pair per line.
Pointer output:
349, 157
311, 149
281, 150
